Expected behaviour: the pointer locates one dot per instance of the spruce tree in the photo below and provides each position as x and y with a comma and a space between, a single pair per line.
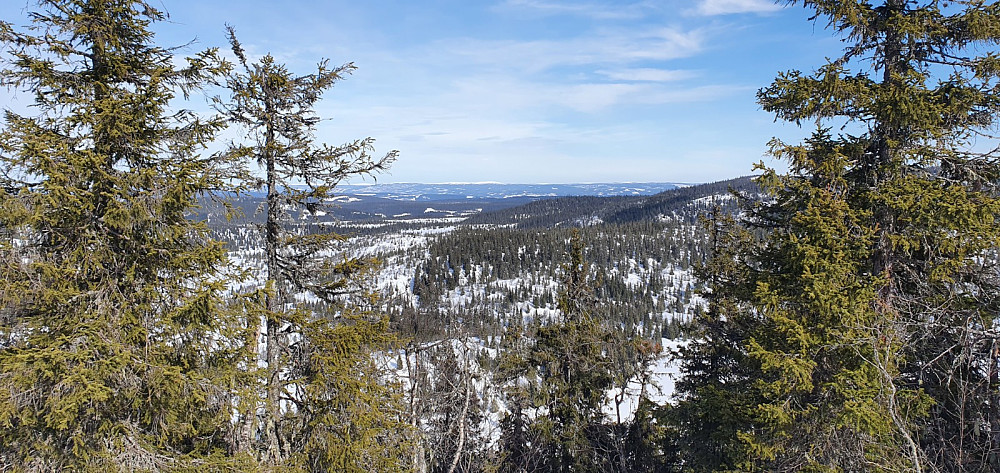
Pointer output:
111, 315
324, 401
569, 374
858, 333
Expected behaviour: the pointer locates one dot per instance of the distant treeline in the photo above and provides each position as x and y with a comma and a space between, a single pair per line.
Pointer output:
583, 210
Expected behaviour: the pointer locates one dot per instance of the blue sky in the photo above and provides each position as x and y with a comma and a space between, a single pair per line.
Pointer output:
525, 91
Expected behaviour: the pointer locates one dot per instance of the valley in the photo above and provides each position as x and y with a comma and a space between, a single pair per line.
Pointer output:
496, 258
466, 286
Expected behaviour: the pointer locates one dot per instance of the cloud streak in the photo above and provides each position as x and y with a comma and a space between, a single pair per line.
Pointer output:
588, 10
481, 102
725, 7
529, 87
606, 47
646, 74
489, 95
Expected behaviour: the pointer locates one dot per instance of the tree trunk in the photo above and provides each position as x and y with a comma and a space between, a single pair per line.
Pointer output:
462, 416
274, 302
993, 458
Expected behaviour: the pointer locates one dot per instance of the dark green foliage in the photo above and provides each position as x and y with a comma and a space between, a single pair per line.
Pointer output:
648, 446
345, 418
568, 374
111, 301
558, 383
856, 331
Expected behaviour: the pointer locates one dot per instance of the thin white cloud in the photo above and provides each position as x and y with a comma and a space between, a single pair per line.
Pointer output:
461, 104
516, 97
593, 98
725, 7
607, 47
703, 93
589, 10
647, 74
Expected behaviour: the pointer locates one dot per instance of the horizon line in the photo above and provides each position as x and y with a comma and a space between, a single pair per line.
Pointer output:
518, 183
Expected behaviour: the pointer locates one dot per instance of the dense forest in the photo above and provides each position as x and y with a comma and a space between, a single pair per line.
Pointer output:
170, 304
481, 276
686, 204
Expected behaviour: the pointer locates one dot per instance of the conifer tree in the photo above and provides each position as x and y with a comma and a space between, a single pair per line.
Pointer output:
325, 405
858, 333
571, 374
111, 317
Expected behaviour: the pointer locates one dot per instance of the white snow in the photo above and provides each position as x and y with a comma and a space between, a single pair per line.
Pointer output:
665, 373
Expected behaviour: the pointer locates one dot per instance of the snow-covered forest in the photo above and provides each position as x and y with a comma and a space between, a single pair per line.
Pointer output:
192, 289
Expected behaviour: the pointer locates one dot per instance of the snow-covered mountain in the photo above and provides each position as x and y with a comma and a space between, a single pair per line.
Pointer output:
495, 190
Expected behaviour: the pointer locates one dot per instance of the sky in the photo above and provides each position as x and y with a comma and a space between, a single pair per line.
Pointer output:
531, 91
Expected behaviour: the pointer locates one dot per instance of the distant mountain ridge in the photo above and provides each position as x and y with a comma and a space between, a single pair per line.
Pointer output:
520, 205
679, 203
495, 190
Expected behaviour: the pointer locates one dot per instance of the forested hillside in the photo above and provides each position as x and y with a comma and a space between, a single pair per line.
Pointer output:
482, 276
454, 269
183, 290
682, 203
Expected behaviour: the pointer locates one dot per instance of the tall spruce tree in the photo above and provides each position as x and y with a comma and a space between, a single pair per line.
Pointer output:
859, 332
569, 374
110, 308
325, 404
